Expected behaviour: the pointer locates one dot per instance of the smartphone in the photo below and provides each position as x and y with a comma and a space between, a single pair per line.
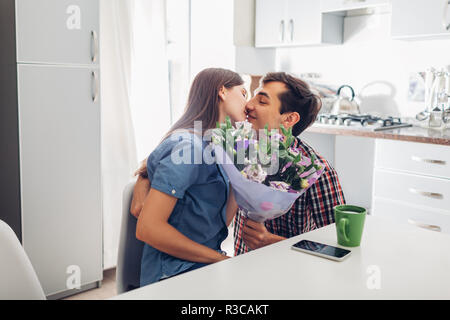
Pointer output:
321, 250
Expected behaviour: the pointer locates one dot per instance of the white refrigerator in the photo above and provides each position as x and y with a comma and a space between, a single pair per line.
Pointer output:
50, 105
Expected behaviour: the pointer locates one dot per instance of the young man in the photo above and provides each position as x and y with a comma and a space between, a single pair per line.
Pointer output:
281, 99
284, 99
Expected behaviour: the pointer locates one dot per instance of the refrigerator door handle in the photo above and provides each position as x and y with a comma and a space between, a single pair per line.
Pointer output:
95, 86
445, 22
94, 46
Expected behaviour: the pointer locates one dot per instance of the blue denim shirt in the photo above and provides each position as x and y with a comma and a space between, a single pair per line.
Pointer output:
200, 213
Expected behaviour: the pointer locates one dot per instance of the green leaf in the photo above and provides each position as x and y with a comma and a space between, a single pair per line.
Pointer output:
228, 122
283, 130
283, 154
290, 141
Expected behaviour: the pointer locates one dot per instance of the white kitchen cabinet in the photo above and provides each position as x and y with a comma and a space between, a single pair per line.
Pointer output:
406, 213
354, 169
354, 157
411, 157
345, 5
419, 19
411, 184
270, 23
294, 23
414, 189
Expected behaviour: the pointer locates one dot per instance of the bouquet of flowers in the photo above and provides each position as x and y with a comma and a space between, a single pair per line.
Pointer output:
268, 173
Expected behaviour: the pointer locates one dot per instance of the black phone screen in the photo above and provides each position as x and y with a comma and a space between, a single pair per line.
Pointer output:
322, 248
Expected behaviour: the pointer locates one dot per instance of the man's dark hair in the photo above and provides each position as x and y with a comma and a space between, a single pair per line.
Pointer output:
298, 98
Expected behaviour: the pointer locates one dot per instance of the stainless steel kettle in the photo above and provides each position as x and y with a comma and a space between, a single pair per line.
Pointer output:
344, 104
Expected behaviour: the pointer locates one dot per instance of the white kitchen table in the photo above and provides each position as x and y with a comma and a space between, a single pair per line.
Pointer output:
393, 262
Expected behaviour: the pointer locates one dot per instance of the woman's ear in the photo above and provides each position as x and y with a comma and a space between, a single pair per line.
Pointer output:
290, 119
223, 93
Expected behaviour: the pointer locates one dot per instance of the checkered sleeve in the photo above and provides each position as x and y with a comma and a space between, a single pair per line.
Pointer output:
239, 245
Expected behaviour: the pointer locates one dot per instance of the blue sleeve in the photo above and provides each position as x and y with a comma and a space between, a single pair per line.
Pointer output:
175, 170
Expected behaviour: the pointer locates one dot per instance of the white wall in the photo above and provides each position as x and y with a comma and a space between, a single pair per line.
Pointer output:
150, 107
178, 53
369, 55
211, 35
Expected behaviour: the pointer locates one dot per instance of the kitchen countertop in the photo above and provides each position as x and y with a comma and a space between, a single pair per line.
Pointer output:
412, 134
394, 261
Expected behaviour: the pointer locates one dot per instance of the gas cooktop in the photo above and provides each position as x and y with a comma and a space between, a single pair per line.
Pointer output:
372, 122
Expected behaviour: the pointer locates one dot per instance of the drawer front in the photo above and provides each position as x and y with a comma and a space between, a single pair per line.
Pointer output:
422, 217
413, 189
420, 158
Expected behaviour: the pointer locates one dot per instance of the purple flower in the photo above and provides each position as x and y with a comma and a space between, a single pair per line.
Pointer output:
306, 173
311, 181
280, 185
286, 166
305, 162
241, 144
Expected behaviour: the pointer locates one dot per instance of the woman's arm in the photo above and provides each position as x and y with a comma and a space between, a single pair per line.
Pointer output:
232, 207
140, 192
153, 228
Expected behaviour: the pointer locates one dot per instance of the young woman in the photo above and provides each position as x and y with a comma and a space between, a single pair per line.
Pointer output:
186, 213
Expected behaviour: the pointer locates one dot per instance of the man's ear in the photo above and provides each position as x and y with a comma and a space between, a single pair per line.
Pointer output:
290, 119
223, 93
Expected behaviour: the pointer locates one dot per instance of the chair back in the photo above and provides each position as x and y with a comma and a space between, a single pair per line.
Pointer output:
128, 269
18, 280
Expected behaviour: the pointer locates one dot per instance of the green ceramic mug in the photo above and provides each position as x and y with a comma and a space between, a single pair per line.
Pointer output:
349, 224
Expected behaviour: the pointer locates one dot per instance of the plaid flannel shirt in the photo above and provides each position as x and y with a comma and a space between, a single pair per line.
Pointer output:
312, 210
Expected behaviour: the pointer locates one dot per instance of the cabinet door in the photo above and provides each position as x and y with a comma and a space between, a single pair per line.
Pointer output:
271, 25
420, 18
60, 174
58, 31
304, 25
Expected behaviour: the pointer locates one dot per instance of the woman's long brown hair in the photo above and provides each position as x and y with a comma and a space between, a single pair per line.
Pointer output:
203, 102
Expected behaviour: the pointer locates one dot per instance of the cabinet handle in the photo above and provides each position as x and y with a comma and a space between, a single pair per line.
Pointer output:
95, 86
282, 31
94, 46
433, 195
291, 25
419, 159
424, 225
445, 23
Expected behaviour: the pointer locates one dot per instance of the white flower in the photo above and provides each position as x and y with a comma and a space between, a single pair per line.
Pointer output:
276, 136
255, 173
245, 125
216, 136
280, 185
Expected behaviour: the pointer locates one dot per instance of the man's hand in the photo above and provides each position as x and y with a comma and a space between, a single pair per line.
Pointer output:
140, 192
255, 235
